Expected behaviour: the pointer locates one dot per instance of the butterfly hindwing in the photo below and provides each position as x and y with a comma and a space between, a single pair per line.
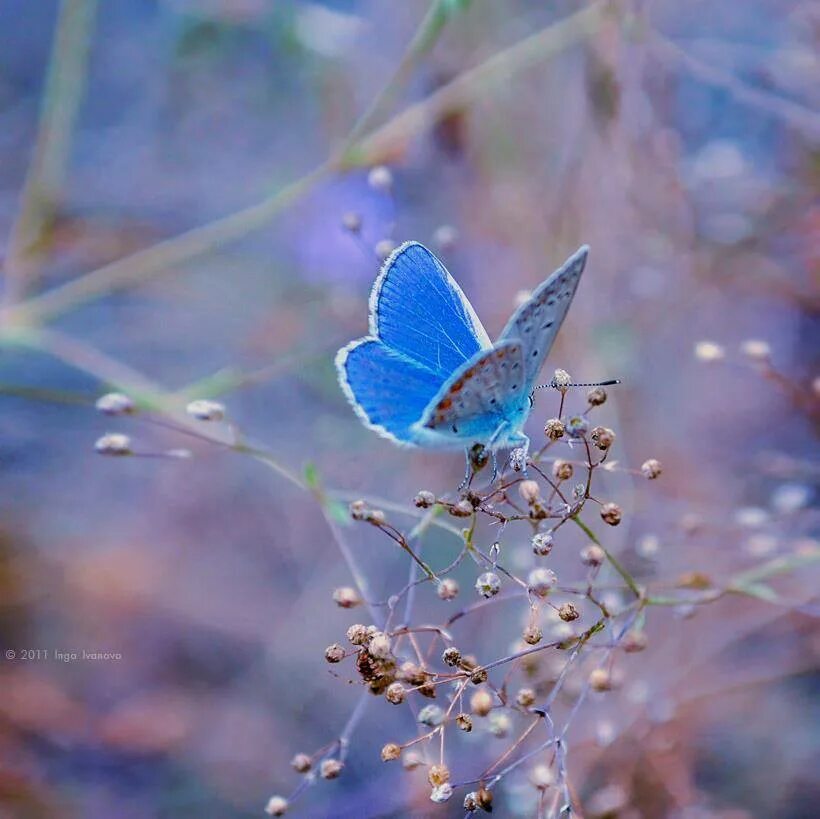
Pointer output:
388, 391
484, 394
418, 310
536, 322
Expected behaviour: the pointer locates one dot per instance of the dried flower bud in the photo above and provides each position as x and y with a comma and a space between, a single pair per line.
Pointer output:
438, 775
113, 443
532, 634
447, 589
334, 653
634, 640
651, 469
204, 410
375, 516
346, 597
478, 676
301, 763
471, 802
395, 693
499, 724
358, 510
379, 646
384, 248
542, 543
488, 584
525, 697
411, 760
708, 351
331, 768
412, 674
451, 656
568, 612
352, 221
358, 634
592, 555
602, 437
541, 581
541, 777
445, 237
576, 426
462, 509
464, 722
481, 703
390, 752
600, 679
277, 806
115, 403
596, 397
529, 491
380, 178
485, 799
562, 470
441, 793
424, 499
554, 429
611, 513
431, 716
561, 380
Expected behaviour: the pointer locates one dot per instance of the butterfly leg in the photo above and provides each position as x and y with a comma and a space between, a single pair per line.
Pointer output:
468, 471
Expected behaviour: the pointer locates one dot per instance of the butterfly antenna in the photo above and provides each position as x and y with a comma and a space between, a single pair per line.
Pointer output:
554, 386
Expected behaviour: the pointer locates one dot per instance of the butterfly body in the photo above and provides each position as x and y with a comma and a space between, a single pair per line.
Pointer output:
428, 375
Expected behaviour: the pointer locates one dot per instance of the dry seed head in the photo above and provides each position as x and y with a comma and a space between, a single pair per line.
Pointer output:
395, 693
532, 634
600, 679
424, 499
485, 799
542, 544
411, 760
334, 653
346, 597
541, 777
464, 722
380, 178
576, 426
471, 801
554, 429
634, 640
562, 470
529, 491
358, 634
596, 396
568, 612
478, 676
412, 673
390, 752
481, 703
384, 248
205, 410
592, 555
603, 437
499, 724
277, 806
488, 584
376, 517
113, 443
709, 352
651, 469
441, 793
611, 513
541, 581
379, 646
562, 380
331, 768
518, 459
352, 221
431, 716
301, 763
358, 510
438, 775
115, 403
525, 697
447, 589
451, 656
462, 509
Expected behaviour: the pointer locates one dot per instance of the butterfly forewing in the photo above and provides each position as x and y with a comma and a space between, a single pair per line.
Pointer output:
417, 308
536, 323
482, 395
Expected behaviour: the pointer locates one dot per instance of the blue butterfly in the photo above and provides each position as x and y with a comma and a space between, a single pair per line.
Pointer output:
428, 375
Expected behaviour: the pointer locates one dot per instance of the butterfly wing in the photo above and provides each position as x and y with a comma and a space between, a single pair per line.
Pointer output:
486, 393
536, 322
387, 390
418, 310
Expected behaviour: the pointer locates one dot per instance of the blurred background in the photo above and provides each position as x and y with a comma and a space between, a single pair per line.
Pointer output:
681, 141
